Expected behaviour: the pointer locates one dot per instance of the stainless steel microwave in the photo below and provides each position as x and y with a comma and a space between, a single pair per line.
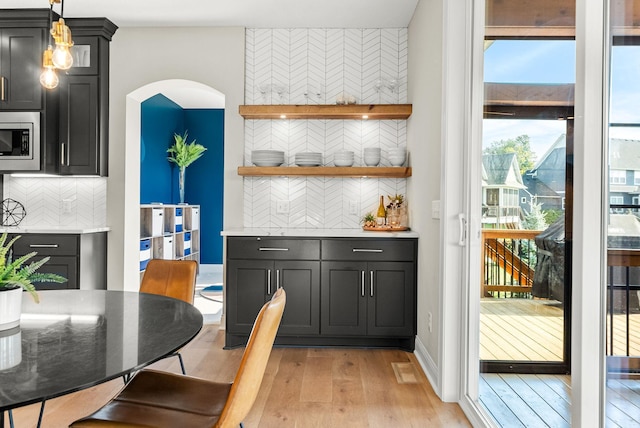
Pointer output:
19, 141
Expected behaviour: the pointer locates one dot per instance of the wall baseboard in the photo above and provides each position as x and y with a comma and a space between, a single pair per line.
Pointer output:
429, 366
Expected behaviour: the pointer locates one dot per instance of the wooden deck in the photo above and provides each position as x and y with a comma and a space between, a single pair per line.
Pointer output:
545, 400
520, 330
531, 330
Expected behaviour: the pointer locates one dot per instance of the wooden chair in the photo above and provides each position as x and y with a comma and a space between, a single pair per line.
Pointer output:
171, 278
160, 399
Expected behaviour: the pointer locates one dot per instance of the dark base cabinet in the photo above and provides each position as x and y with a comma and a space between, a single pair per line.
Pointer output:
340, 292
81, 258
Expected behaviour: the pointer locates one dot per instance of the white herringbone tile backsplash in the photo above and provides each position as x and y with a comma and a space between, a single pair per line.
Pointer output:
60, 201
316, 66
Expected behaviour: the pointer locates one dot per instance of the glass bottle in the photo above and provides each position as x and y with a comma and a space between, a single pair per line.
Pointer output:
382, 214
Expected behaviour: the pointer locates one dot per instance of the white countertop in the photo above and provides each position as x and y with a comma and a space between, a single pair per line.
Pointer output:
53, 229
319, 233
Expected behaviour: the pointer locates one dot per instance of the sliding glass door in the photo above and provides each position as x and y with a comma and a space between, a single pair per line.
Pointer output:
525, 286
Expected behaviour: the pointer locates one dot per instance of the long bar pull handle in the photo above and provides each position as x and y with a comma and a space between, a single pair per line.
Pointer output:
63, 147
278, 279
362, 283
272, 249
462, 220
371, 283
367, 250
3, 88
269, 281
43, 245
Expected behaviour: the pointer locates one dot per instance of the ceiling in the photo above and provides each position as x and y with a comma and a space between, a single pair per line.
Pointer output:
243, 13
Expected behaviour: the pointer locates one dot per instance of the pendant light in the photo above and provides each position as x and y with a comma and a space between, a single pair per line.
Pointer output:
62, 58
49, 78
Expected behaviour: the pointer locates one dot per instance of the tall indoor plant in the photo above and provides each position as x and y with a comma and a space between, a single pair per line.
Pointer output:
184, 154
16, 276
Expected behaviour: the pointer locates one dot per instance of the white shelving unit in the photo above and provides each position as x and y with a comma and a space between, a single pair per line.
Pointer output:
169, 232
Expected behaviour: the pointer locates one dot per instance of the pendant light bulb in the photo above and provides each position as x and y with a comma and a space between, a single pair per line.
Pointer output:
48, 78
62, 58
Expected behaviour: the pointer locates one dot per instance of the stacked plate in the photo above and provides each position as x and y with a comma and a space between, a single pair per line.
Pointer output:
308, 159
343, 158
267, 157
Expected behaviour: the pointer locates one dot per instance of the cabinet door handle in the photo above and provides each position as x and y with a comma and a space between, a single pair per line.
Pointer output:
367, 250
371, 283
3, 92
278, 279
362, 282
43, 245
62, 153
268, 281
272, 249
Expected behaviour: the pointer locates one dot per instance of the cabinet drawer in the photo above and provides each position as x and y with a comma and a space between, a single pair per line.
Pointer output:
273, 248
368, 249
47, 245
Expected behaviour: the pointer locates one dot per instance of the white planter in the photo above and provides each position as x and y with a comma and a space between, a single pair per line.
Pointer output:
10, 308
10, 348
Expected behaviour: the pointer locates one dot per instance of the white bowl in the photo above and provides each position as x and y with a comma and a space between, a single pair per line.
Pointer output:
342, 162
371, 161
396, 161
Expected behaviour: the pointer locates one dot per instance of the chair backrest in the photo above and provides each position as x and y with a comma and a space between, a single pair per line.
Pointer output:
172, 278
254, 362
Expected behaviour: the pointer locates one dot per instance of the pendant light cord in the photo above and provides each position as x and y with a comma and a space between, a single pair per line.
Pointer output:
50, 22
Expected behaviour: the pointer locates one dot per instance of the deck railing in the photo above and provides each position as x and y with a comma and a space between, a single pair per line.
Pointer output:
509, 257
623, 284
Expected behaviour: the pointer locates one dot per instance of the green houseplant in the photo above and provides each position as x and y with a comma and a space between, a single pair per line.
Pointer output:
184, 154
16, 276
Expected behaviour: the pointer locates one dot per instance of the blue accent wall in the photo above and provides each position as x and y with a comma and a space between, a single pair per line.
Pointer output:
161, 118
204, 178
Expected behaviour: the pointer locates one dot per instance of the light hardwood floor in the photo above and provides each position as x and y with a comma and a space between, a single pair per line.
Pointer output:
302, 387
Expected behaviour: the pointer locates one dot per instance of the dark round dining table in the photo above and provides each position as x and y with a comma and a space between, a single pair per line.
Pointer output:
75, 339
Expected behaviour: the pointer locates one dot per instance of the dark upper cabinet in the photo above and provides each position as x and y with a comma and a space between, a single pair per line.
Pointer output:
20, 67
80, 144
83, 144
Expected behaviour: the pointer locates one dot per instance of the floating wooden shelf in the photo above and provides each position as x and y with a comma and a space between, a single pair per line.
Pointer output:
327, 111
326, 171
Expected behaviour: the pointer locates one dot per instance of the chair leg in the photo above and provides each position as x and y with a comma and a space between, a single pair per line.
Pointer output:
41, 414
184, 372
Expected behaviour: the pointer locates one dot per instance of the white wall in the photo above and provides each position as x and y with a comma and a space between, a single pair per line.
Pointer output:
140, 56
424, 141
316, 66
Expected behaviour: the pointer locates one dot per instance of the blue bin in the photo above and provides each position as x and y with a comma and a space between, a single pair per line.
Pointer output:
187, 243
145, 253
179, 219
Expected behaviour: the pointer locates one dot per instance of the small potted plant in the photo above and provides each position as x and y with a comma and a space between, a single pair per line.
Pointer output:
16, 276
369, 220
184, 154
